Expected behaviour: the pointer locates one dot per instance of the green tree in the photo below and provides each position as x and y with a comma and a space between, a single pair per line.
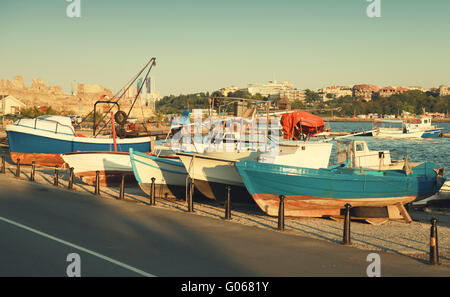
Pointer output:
311, 97
297, 104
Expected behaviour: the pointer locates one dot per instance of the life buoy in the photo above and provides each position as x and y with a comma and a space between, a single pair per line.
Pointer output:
120, 117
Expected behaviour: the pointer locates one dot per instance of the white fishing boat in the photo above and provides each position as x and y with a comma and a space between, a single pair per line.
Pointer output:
416, 128
110, 165
213, 171
169, 174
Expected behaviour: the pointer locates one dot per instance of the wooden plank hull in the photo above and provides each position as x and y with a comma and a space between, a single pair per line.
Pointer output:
107, 177
213, 171
39, 159
44, 147
313, 192
170, 175
219, 192
111, 166
305, 206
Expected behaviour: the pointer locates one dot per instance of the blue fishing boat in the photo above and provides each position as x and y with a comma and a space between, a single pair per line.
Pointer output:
43, 139
169, 174
321, 192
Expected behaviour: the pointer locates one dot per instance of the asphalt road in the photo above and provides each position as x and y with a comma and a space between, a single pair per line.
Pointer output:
41, 225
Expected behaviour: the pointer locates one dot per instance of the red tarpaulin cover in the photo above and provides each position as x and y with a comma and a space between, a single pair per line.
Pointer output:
301, 122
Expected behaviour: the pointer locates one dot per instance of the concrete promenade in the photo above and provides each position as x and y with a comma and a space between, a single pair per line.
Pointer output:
40, 225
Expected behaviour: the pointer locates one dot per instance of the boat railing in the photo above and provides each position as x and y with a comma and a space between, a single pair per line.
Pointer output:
57, 124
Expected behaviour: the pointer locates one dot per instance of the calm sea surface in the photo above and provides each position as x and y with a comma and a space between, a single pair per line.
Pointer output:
432, 149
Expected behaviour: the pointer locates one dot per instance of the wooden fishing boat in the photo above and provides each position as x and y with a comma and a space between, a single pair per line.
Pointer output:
170, 175
213, 171
111, 166
324, 192
44, 139
417, 128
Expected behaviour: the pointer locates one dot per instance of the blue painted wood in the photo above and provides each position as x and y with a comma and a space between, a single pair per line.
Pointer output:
139, 178
31, 143
432, 133
340, 182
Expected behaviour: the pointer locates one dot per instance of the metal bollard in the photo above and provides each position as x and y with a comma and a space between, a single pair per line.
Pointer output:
434, 252
18, 168
152, 192
70, 186
228, 204
122, 188
3, 165
56, 177
346, 238
190, 196
97, 183
281, 214
33, 170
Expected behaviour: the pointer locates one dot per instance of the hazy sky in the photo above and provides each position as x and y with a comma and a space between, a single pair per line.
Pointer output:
205, 45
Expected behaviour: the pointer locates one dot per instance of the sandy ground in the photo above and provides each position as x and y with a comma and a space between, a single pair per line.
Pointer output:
397, 237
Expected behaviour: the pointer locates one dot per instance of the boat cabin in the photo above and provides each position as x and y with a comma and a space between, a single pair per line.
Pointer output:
356, 154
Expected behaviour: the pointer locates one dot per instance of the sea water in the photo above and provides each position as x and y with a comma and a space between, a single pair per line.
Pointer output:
423, 149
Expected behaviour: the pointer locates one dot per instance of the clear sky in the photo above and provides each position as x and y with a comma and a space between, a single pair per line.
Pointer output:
203, 45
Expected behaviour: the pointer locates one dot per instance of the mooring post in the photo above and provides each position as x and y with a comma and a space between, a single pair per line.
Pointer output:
70, 186
346, 238
97, 183
122, 188
190, 196
56, 176
281, 214
18, 168
228, 204
152, 192
33, 170
3, 165
434, 252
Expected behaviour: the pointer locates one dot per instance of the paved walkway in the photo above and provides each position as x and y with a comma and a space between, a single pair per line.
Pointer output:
41, 225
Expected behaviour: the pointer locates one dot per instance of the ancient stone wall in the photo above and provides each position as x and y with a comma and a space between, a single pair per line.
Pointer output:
81, 103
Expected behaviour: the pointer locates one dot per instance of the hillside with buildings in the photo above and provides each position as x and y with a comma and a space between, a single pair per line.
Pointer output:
81, 102
346, 100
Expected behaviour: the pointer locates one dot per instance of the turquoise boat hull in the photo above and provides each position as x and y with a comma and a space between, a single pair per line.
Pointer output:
168, 173
317, 192
432, 133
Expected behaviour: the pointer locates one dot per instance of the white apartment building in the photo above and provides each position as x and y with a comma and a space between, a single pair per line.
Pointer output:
293, 94
270, 88
336, 91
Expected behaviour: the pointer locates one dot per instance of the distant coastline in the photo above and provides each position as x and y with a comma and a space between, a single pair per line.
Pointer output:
338, 119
